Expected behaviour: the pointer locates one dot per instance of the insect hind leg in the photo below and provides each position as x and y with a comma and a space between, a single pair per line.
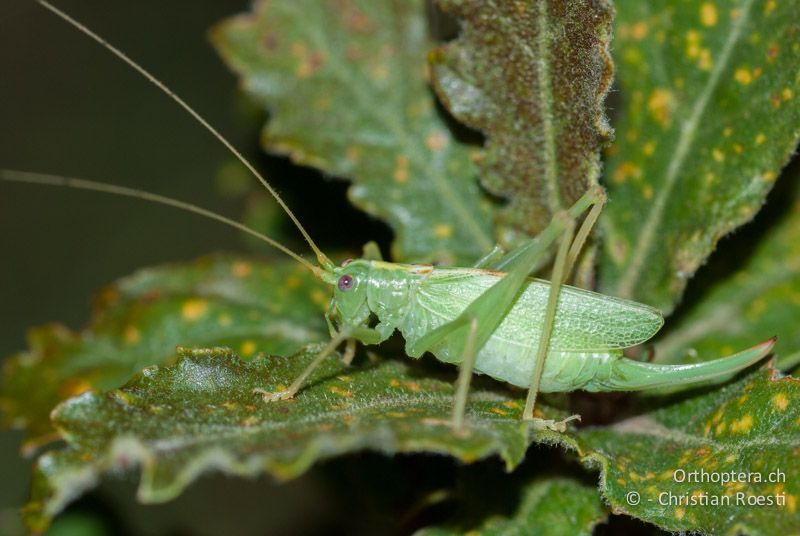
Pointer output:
569, 249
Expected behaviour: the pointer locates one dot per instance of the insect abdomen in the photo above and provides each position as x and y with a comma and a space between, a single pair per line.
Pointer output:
512, 361
563, 371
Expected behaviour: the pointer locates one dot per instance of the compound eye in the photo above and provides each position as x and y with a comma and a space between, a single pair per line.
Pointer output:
346, 282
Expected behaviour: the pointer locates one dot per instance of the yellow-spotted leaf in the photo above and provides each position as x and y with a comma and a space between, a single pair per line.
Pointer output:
724, 462
247, 305
345, 84
709, 115
201, 413
759, 300
532, 76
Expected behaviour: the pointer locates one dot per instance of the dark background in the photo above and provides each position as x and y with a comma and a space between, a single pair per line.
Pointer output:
68, 107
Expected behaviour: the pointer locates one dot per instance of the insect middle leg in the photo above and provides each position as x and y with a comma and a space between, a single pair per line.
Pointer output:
465, 375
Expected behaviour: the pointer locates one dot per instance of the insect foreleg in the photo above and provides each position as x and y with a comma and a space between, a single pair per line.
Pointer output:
298, 382
329, 319
351, 334
349, 352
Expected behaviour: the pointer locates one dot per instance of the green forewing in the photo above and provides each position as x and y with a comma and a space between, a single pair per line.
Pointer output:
585, 321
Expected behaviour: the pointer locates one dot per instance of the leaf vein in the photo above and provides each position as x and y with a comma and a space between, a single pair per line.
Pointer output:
653, 220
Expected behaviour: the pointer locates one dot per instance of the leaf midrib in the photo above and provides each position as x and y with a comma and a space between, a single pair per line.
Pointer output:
540, 59
648, 426
225, 432
653, 219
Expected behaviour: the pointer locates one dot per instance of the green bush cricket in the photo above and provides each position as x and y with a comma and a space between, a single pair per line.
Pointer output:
491, 318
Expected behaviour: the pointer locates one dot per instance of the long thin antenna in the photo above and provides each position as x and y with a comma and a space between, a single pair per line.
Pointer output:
81, 184
324, 261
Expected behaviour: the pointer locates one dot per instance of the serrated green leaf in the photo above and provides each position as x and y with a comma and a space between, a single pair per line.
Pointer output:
346, 88
760, 300
532, 76
552, 506
140, 319
201, 414
751, 426
709, 118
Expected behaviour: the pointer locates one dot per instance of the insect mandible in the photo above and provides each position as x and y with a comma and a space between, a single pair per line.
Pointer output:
491, 318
